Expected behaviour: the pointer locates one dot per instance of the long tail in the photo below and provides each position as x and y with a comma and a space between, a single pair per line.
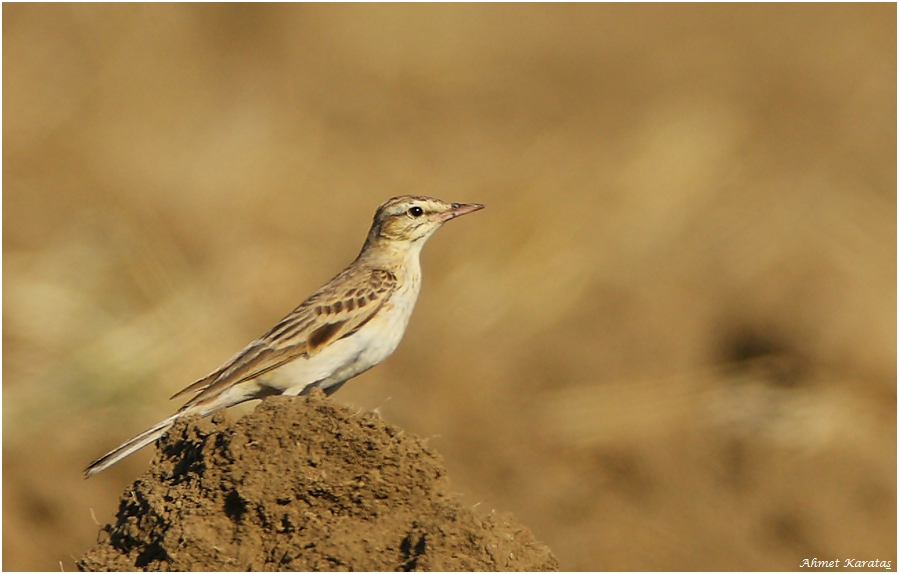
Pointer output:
131, 446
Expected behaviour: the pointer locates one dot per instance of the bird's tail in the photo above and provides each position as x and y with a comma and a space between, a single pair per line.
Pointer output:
131, 446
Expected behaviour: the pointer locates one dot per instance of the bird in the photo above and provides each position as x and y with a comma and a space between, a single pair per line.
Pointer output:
354, 322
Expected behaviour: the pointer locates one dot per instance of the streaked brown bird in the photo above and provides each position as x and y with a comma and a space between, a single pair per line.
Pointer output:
345, 328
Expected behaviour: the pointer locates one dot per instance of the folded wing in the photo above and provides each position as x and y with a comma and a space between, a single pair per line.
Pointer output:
338, 310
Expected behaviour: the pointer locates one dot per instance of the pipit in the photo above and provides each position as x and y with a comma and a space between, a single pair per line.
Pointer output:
345, 328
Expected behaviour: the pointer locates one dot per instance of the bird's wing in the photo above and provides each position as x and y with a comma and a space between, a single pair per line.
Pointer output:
337, 310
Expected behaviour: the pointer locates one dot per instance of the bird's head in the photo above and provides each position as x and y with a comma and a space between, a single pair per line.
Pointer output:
413, 219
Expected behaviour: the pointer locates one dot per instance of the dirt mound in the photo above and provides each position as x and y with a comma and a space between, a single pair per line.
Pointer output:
303, 484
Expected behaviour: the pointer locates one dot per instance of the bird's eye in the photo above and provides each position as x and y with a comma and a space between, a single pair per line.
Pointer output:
415, 211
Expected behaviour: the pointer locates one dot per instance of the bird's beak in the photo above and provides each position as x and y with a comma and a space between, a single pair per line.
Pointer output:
457, 210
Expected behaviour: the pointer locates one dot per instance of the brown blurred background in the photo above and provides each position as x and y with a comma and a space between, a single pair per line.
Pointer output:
669, 342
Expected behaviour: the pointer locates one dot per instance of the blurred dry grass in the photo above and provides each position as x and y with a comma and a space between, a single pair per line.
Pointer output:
668, 343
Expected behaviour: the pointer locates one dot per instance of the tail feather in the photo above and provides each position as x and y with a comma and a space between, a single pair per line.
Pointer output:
131, 446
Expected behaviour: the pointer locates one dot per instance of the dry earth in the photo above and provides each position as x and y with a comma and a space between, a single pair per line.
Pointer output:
298, 485
667, 343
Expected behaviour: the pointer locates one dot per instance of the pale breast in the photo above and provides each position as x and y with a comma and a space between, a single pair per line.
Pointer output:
352, 355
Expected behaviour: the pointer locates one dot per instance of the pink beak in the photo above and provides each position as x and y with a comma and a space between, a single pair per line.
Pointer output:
457, 210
